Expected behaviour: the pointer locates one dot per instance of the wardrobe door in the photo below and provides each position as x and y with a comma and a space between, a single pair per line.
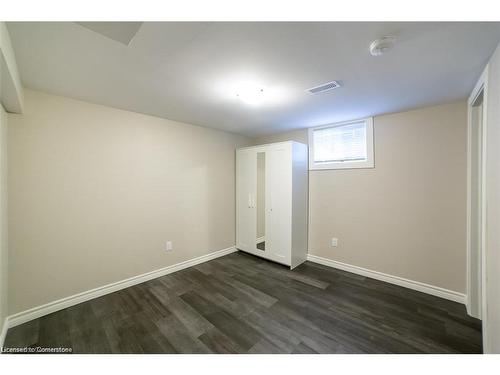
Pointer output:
246, 219
278, 203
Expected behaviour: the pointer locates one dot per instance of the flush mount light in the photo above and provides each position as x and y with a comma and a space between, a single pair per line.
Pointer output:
380, 46
250, 94
251, 90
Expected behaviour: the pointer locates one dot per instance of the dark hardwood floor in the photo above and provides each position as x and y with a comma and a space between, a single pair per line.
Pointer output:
244, 304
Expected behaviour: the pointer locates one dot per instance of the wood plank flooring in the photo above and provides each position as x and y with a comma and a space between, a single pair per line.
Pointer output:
243, 304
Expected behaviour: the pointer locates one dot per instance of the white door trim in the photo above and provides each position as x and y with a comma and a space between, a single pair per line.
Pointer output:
481, 86
3, 333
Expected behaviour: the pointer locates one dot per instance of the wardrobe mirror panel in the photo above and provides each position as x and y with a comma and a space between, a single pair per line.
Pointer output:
261, 201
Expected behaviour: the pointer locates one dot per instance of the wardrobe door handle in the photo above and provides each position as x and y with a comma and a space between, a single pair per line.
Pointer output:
249, 200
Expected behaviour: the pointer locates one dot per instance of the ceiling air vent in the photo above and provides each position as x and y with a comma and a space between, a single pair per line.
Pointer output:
324, 87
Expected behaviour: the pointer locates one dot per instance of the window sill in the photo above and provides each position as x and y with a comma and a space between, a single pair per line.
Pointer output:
346, 165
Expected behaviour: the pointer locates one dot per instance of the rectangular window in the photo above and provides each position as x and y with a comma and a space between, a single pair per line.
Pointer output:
341, 146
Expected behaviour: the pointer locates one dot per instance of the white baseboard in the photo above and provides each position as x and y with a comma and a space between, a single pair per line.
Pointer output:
37, 312
410, 284
260, 239
3, 334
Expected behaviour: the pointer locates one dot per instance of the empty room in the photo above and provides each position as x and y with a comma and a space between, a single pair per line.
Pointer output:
260, 187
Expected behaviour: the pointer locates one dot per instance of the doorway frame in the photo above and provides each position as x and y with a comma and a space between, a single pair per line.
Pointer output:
480, 87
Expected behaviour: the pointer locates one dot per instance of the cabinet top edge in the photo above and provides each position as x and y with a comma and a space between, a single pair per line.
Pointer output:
270, 144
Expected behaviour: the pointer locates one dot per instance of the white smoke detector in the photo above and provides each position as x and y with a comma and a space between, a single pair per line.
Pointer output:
382, 45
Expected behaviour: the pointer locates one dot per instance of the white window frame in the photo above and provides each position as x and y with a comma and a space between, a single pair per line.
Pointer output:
368, 163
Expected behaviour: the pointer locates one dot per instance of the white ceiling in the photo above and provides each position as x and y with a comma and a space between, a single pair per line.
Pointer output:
182, 71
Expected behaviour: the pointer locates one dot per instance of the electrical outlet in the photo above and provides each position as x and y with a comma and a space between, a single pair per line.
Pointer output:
168, 246
334, 242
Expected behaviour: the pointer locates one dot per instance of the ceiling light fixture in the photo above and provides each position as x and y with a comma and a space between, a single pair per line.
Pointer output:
250, 94
380, 46
251, 90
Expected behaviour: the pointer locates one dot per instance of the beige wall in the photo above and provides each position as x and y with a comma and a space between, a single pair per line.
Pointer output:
493, 205
96, 192
406, 217
296, 135
3, 218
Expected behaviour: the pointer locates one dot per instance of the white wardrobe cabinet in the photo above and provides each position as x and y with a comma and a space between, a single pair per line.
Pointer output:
271, 201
